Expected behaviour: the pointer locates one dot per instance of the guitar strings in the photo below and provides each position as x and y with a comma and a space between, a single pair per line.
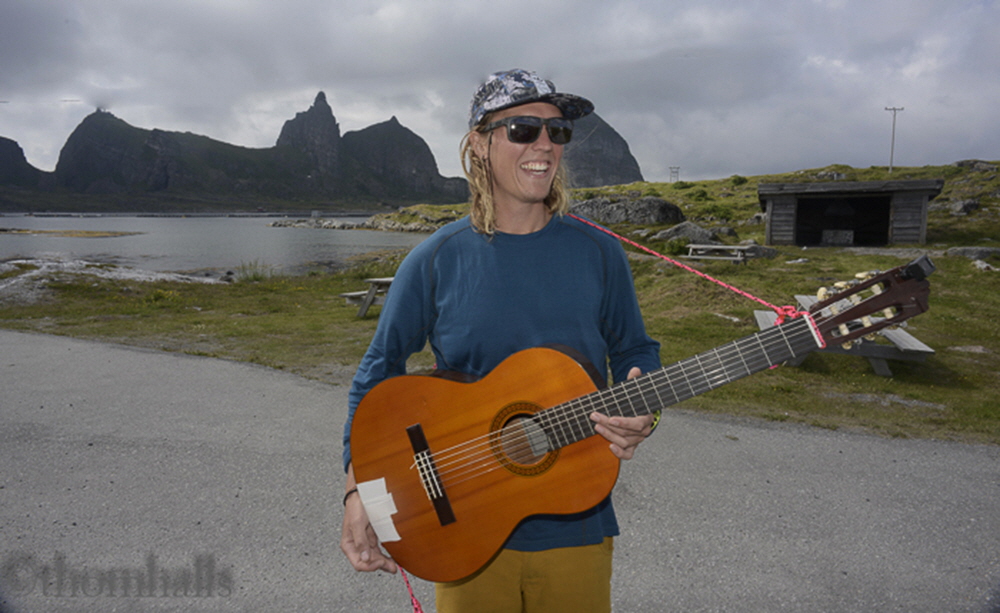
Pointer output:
476, 456
474, 466
512, 443
702, 381
618, 392
710, 379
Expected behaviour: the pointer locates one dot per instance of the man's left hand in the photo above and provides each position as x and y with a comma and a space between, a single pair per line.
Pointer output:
624, 433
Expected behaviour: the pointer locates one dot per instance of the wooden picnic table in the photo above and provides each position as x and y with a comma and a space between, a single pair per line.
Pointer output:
902, 345
375, 294
737, 254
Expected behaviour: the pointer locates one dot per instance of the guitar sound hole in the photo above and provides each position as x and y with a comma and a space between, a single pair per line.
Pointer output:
523, 441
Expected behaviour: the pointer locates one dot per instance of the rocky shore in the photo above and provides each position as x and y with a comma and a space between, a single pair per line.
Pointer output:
378, 222
24, 281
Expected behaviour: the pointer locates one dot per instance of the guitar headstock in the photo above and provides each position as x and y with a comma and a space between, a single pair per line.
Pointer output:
892, 296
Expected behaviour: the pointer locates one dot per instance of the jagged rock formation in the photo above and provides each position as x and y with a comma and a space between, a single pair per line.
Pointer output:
316, 133
977, 165
599, 156
14, 167
648, 211
689, 231
312, 163
105, 155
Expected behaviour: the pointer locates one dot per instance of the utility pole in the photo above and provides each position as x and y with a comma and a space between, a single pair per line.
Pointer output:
892, 147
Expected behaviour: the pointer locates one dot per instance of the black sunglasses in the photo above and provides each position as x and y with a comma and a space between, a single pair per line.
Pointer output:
526, 129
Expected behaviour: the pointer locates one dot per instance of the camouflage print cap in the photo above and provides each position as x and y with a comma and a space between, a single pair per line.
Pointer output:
503, 90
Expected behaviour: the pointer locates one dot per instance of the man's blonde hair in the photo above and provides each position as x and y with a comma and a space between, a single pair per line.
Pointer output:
479, 175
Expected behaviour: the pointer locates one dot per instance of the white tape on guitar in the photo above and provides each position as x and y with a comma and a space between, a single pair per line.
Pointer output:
379, 507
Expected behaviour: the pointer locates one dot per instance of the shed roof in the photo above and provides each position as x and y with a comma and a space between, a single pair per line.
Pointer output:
847, 188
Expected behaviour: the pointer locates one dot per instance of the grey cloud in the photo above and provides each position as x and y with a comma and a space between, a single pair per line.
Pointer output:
704, 85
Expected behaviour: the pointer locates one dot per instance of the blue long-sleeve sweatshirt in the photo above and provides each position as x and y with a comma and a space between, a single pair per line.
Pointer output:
479, 299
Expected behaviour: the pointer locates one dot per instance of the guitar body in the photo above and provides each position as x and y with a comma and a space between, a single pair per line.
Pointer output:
499, 485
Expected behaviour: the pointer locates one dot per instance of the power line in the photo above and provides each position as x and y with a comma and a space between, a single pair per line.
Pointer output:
892, 147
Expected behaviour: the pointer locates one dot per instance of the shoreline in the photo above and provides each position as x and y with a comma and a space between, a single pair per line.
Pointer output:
297, 214
376, 222
30, 277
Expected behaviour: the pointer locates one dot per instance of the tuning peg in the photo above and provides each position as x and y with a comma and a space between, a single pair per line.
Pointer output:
844, 330
866, 321
876, 290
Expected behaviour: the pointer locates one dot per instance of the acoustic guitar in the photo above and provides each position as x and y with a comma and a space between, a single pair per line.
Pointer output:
446, 469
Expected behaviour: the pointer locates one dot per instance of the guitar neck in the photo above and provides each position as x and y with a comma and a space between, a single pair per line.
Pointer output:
569, 422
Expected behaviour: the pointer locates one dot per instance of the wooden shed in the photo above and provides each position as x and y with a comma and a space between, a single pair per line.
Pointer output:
846, 213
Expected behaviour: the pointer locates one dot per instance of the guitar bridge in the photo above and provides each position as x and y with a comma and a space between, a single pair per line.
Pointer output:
429, 476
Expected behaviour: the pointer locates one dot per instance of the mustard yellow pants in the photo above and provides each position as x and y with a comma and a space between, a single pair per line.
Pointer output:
570, 580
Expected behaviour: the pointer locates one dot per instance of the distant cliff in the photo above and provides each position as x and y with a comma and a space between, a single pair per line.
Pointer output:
393, 160
110, 163
14, 167
599, 156
310, 161
105, 155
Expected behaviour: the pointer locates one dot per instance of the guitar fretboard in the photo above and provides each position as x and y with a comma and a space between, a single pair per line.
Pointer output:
569, 422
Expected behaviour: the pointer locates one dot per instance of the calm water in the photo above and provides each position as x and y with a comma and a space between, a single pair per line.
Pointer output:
196, 244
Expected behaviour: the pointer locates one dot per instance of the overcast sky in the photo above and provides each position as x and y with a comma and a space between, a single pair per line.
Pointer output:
715, 87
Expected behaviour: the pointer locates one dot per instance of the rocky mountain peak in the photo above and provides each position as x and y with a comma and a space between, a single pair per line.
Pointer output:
100, 148
316, 133
598, 155
398, 157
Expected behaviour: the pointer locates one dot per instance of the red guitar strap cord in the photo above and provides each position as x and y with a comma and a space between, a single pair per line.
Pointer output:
409, 588
783, 312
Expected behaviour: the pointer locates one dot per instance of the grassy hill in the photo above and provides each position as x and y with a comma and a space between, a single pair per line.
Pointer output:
730, 200
300, 324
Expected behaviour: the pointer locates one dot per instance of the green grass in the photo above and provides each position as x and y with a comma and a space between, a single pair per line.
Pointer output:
253, 271
950, 395
301, 325
298, 324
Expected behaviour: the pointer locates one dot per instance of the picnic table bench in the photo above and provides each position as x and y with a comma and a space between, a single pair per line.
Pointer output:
902, 345
737, 254
375, 294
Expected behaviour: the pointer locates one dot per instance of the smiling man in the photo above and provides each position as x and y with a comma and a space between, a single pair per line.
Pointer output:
516, 274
